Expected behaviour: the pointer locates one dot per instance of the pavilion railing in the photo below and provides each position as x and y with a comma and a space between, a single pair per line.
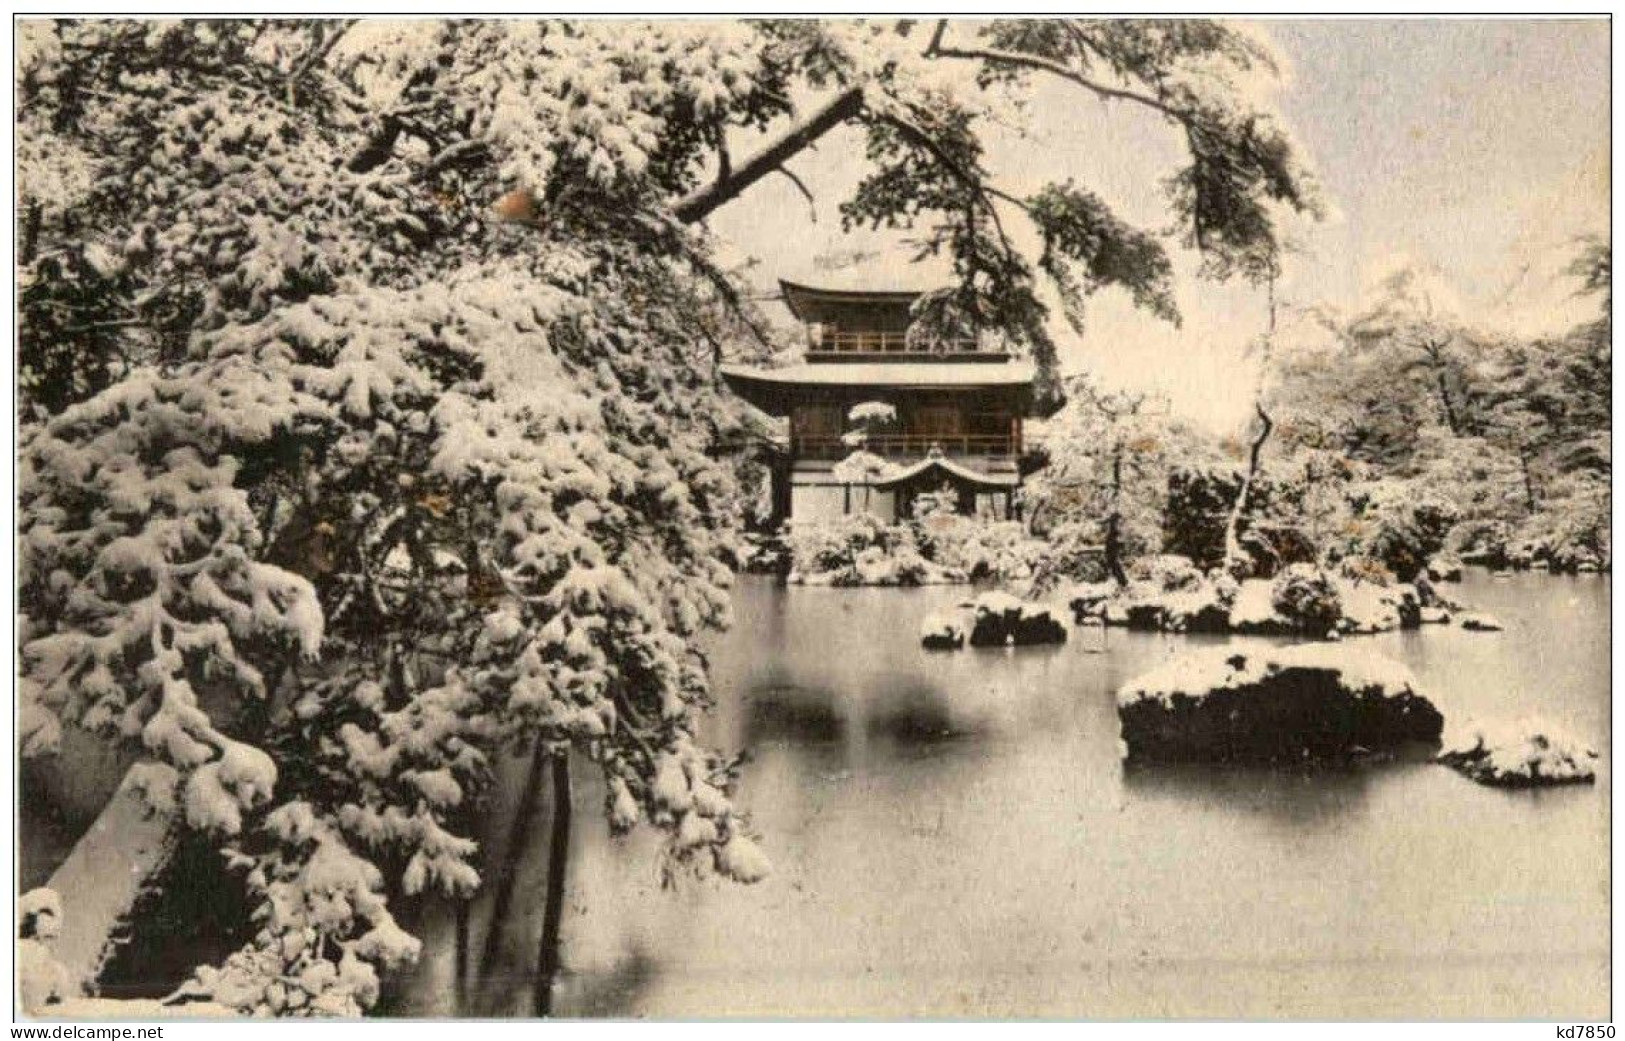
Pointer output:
906, 446
875, 342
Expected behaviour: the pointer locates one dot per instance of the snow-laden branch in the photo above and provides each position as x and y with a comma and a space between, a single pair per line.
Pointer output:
700, 204
1031, 61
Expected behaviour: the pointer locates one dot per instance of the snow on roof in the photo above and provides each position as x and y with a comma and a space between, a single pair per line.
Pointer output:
949, 468
890, 374
805, 301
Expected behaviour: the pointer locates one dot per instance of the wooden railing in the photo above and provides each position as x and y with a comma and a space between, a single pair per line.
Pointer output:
875, 342
906, 446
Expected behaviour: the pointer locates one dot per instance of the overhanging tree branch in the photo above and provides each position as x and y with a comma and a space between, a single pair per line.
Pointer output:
1032, 61
984, 192
801, 186
702, 203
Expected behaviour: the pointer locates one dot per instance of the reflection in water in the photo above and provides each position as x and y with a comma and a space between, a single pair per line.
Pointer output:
793, 715
1301, 800
953, 835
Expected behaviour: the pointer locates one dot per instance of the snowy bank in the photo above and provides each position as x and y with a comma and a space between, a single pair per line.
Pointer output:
1300, 601
1521, 754
1311, 701
47, 989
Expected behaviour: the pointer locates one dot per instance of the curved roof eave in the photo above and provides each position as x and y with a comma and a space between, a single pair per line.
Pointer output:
950, 469
797, 296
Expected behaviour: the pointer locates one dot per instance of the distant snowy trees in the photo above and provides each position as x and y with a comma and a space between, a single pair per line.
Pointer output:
1396, 433
1111, 456
1512, 433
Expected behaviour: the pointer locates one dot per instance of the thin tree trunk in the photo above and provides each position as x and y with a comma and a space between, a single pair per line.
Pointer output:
1451, 419
1232, 527
460, 960
1114, 539
508, 874
28, 241
558, 854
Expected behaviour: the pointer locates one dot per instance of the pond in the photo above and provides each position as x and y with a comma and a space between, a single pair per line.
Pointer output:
954, 836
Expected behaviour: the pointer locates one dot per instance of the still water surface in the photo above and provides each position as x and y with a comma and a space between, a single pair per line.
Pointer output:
953, 835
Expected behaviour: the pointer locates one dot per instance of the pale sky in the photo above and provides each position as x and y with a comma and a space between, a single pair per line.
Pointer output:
1478, 150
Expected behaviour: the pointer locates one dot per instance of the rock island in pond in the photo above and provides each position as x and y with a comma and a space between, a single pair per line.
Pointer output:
1524, 754
1277, 704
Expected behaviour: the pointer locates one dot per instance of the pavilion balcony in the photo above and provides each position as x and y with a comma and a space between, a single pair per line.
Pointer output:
875, 345
908, 446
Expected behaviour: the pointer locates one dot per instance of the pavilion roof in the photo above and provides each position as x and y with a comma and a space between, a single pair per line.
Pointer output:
810, 303
768, 388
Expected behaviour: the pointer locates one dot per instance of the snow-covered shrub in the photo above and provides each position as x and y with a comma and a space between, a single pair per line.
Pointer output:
1167, 572
928, 506
875, 413
1068, 554
1443, 567
860, 467
858, 549
1521, 754
1199, 609
1568, 532
1397, 524
41, 979
1372, 607
1307, 599
1281, 704
760, 554
996, 550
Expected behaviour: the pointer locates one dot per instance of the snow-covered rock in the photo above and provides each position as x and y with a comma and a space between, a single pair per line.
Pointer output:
1254, 609
1369, 607
1199, 609
1521, 754
1479, 622
1089, 599
945, 630
1310, 701
1444, 569
1000, 620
